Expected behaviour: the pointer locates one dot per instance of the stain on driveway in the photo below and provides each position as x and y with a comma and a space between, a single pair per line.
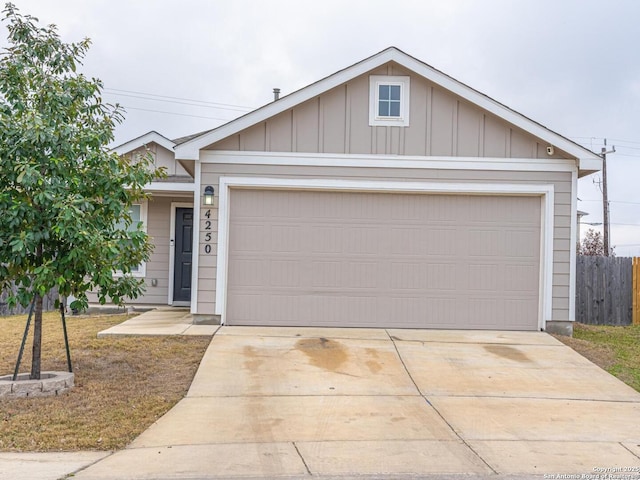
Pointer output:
269, 402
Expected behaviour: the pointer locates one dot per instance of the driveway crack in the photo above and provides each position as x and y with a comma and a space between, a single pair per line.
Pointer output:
393, 340
301, 458
629, 450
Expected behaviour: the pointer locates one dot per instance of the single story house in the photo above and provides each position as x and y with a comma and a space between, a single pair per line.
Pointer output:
385, 195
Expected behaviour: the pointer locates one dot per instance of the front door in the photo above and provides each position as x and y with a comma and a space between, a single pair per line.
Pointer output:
183, 245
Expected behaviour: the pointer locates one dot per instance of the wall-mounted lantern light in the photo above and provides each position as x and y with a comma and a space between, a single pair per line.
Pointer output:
208, 195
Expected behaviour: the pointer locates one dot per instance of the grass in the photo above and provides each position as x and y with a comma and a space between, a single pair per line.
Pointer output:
122, 385
615, 349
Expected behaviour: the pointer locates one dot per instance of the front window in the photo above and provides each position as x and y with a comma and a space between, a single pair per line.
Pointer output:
138, 213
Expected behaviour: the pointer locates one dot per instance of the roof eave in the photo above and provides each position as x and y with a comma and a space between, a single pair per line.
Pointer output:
143, 140
587, 166
190, 150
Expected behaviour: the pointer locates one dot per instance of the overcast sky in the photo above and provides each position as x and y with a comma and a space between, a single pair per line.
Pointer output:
180, 67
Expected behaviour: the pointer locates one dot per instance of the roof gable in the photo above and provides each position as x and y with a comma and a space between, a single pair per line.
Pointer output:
143, 140
588, 160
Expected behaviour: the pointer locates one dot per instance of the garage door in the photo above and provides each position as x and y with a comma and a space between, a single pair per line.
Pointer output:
319, 258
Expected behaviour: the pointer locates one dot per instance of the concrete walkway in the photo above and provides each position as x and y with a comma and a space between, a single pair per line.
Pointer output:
352, 403
45, 466
160, 321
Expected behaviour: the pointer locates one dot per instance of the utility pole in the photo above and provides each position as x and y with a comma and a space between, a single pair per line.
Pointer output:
605, 197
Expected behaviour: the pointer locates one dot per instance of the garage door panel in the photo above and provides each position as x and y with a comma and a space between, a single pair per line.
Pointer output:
521, 243
373, 259
248, 238
345, 275
520, 278
249, 272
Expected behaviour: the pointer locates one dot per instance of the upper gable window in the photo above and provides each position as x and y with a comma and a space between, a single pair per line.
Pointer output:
389, 101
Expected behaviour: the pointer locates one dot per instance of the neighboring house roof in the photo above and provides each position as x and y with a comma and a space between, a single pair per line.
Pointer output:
187, 148
143, 140
186, 138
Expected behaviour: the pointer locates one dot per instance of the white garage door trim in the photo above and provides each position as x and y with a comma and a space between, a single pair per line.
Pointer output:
545, 191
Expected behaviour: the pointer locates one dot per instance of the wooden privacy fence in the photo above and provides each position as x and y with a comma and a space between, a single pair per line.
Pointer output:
48, 302
607, 290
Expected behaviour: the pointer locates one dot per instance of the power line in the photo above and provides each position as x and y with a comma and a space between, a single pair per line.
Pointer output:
618, 154
169, 97
617, 140
175, 113
612, 201
203, 105
630, 148
625, 141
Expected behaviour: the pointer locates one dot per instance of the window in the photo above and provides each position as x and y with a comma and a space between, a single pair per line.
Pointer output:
138, 214
389, 101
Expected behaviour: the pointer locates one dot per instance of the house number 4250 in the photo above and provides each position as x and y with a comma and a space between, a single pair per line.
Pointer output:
207, 232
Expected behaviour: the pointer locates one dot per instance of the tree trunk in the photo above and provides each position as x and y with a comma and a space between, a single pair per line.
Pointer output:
37, 339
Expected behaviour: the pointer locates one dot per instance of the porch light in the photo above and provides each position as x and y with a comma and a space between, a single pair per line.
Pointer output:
208, 195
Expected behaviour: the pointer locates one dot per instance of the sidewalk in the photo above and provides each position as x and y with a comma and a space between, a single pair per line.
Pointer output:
46, 466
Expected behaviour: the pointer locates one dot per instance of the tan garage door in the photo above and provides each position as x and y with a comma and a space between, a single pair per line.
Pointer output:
316, 258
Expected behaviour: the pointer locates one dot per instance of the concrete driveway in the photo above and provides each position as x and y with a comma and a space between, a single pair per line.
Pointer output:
302, 402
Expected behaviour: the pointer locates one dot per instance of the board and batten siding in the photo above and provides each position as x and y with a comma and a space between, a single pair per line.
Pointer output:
158, 226
337, 121
562, 182
162, 158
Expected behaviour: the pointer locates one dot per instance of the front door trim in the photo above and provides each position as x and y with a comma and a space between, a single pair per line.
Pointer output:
172, 248
545, 191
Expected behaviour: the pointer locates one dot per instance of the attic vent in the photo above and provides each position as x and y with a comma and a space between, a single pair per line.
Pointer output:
276, 94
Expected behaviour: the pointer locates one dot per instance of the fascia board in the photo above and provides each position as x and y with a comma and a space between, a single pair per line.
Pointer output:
170, 187
587, 166
145, 139
190, 150
495, 107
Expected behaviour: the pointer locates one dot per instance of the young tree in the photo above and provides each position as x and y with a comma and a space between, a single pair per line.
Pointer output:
592, 244
63, 195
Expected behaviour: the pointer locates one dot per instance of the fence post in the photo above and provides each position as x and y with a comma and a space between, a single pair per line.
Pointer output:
636, 291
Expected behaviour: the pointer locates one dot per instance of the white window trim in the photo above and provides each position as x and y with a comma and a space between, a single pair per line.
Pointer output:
544, 191
144, 207
405, 86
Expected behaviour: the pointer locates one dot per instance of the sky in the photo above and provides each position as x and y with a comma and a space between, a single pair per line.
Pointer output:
183, 67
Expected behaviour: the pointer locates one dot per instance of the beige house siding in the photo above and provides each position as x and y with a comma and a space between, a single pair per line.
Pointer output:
337, 121
158, 226
561, 181
162, 158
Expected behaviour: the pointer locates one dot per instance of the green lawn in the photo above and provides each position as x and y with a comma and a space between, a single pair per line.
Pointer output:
616, 349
